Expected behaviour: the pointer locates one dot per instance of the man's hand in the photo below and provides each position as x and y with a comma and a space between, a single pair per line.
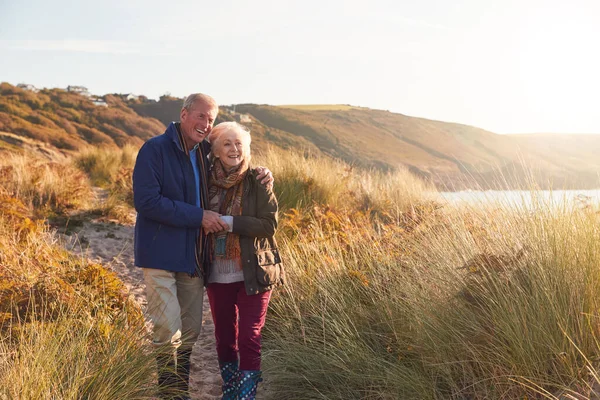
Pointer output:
211, 222
265, 176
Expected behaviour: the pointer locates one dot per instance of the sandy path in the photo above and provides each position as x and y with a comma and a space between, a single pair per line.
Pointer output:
111, 244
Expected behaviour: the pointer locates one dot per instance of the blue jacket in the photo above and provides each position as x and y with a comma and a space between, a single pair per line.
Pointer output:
167, 229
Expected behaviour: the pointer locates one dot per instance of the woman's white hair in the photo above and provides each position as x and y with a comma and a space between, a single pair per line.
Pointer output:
217, 132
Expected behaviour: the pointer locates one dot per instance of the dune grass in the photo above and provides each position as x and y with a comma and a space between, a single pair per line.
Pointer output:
302, 181
104, 164
45, 185
391, 294
469, 304
110, 169
70, 357
61, 188
394, 295
68, 330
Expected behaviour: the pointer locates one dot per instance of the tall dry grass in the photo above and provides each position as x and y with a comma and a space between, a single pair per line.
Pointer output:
69, 358
390, 295
104, 164
46, 185
475, 303
67, 328
304, 180
111, 169
65, 187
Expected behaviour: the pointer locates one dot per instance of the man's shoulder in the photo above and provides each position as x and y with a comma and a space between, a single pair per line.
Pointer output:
153, 148
158, 140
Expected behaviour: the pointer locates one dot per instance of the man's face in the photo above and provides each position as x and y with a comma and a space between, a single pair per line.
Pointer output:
197, 122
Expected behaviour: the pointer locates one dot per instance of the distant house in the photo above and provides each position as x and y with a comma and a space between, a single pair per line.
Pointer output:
243, 118
29, 87
100, 103
78, 89
131, 96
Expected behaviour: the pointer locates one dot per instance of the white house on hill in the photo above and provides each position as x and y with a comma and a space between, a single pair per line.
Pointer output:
78, 89
28, 86
244, 118
100, 102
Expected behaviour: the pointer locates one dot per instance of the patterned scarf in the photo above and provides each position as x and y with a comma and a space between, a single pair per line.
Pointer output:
225, 197
203, 242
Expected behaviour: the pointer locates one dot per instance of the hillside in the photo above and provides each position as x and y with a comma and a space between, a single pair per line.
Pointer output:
577, 152
385, 140
453, 156
69, 121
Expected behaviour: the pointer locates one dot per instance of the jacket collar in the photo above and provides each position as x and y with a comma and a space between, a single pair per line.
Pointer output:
175, 134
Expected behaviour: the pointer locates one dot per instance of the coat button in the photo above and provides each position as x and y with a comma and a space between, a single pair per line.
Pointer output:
247, 260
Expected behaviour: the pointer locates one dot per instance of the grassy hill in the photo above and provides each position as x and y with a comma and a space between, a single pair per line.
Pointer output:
70, 121
453, 156
386, 140
577, 153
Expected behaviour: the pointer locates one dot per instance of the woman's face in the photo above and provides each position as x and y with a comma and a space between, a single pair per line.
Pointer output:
230, 149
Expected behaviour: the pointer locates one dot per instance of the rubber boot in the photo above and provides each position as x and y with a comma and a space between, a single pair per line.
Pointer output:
248, 383
229, 374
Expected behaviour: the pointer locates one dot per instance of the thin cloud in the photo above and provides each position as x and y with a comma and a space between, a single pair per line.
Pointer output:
420, 23
83, 46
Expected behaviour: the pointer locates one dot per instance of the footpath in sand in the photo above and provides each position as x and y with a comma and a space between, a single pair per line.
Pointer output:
111, 244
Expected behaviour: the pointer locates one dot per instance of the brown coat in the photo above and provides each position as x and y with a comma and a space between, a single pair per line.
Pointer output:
256, 226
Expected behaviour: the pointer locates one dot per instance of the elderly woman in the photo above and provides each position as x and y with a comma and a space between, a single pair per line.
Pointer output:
245, 262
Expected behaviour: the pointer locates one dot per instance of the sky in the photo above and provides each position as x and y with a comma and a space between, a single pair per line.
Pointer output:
508, 66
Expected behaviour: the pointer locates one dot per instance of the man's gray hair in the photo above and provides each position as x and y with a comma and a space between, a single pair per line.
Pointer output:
193, 98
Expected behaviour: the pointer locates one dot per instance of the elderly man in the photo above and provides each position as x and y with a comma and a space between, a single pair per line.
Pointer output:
170, 196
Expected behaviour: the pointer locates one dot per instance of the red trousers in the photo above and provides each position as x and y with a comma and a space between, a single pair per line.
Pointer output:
239, 319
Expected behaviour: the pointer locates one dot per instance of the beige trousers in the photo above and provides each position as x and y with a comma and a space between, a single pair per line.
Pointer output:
175, 307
